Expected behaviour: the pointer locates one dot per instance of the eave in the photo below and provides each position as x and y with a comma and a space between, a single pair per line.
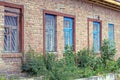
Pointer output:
111, 4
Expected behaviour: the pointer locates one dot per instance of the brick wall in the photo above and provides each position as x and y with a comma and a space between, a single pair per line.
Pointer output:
33, 25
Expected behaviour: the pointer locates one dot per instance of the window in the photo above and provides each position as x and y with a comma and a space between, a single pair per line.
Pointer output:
111, 32
68, 32
50, 40
11, 30
96, 36
50, 33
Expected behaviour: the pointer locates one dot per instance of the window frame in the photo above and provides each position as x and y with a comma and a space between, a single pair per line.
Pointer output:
21, 35
63, 15
88, 30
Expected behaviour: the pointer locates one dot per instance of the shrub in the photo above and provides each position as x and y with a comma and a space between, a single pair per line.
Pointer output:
50, 61
50, 67
86, 58
111, 66
89, 63
93, 65
70, 68
34, 64
69, 56
118, 62
65, 69
83, 58
108, 51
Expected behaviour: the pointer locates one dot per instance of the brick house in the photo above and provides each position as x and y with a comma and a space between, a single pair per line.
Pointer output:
49, 25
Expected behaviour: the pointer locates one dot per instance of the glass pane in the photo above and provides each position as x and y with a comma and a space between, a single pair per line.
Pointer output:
111, 32
11, 34
67, 38
66, 24
14, 38
68, 34
96, 36
6, 39
50, 33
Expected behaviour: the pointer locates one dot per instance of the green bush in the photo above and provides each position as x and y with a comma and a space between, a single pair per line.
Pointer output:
50, 67
88, 61
34, 64
63, 69
108, 51
50, 61
118, 62
69, 56
83, 58
88, 64
111, 66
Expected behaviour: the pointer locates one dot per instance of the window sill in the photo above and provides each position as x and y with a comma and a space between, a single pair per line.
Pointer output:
11, 55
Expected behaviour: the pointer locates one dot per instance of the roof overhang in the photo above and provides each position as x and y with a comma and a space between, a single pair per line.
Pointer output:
112, 4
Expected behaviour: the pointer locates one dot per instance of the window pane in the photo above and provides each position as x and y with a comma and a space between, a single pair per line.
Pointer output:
6, 39
11, 34
68, 32
111, 32
96, 36
14, 38
50, 33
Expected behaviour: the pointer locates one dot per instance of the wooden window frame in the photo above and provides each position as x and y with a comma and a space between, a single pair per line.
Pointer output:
10, 28
21, 33
58, 14
88, 30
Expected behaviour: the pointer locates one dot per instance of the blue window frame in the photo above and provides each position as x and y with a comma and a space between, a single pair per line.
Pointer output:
68, 32
111, 32
50, 33
96, 36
